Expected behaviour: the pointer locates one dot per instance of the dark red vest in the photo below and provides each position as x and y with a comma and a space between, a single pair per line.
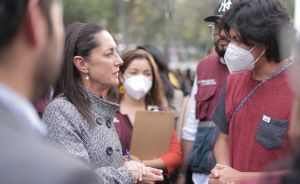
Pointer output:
211, 77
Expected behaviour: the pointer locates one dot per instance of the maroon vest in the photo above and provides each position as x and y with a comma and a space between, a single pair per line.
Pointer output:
211, 77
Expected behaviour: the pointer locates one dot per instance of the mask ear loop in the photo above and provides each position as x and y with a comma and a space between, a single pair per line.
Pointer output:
253, 48
262, 53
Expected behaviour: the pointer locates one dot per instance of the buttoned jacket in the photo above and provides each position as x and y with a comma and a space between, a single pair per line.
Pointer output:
96, 142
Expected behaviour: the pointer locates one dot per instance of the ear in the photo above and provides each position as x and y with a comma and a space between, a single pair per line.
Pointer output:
35, 25
81, 64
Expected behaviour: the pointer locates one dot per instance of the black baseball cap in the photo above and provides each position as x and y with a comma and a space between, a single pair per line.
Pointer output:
222, 7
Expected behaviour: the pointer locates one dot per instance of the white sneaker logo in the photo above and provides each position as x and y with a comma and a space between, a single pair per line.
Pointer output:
225, 5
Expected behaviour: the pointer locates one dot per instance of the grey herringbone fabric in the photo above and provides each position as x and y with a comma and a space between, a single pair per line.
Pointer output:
95, 143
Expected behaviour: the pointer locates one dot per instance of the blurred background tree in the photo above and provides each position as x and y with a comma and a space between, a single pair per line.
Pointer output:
174, 26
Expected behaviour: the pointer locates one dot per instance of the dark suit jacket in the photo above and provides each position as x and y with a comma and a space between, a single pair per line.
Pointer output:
26, 160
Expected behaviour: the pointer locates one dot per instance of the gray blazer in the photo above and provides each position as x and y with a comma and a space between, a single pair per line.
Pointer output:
26, 160
95, 143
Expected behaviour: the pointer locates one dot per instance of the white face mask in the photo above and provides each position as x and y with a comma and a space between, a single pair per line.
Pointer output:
238, 59
137, 86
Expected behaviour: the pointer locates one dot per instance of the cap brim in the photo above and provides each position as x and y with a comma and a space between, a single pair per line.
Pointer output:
212, 18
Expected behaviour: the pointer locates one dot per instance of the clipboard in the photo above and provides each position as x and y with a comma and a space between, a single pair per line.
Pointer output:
151, 136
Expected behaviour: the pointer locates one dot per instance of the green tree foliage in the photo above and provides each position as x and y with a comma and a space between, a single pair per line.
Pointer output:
165, 23
99, 11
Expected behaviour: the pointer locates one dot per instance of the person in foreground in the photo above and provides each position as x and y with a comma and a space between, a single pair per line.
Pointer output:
291, 165
31, 44
254, 110
79, 119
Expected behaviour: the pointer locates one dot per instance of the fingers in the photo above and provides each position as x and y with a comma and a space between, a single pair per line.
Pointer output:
213, 181
143, 174
154, 170
144, 170
136, 176
220, 166
214, 173
152, 177
152, 174
137, 169
140, 171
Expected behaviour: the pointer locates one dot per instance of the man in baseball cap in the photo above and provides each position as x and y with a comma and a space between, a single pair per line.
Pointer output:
222, 7
199, 133
219, 36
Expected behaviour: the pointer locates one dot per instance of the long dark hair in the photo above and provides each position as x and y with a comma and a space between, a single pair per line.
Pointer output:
80, 40
163, 70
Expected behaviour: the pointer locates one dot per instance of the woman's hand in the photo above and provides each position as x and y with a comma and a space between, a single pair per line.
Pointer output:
137, 169
152, 175
143, 174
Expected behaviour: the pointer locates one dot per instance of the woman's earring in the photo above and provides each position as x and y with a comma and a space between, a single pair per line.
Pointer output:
87, 77
122, 89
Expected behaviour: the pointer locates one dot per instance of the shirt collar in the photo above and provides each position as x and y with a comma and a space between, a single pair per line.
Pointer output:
22, 109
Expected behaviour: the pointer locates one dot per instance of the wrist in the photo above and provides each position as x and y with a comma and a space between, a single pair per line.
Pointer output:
249, 175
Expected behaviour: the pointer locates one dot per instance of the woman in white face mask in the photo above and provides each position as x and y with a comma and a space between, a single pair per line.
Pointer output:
141, 87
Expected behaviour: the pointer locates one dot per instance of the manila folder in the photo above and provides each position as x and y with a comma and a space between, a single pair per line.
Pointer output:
152, 133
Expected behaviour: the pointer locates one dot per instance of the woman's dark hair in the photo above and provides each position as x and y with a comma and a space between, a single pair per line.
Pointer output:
80, 40
163, 70
262, 21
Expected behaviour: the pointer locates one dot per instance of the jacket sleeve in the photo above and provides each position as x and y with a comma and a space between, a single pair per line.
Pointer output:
173, 158
62, 131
